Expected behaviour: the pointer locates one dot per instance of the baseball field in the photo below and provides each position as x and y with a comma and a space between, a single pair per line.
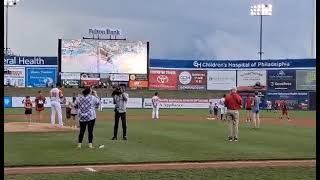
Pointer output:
183, 144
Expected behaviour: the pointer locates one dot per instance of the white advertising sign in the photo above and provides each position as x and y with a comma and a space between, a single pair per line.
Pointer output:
119, 77
250, 78
18, 101
221, 80
14, 76
70, 76
178, 103
132, 103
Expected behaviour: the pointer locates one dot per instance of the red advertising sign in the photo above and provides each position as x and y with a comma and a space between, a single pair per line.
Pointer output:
163, 79
138, 84
192, 80
89, 79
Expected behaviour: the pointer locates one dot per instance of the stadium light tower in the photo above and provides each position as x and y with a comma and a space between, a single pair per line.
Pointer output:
7, 4
261, 10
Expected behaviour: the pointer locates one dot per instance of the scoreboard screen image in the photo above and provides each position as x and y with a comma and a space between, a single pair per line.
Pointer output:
104, 56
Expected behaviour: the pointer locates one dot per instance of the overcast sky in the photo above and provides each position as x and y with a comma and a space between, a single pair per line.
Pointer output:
176, 29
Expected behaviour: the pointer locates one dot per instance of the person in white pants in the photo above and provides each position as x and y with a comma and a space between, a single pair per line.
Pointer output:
55, 96
155, 106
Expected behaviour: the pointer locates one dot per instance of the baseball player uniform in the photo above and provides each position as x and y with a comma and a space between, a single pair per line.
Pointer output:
55, 94
155, 107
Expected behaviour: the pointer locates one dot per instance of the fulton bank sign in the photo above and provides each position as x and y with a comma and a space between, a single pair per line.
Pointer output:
30, 61
104, 31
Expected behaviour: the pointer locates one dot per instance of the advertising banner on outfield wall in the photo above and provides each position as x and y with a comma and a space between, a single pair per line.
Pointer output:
163, 79
7, 102
192, 80
281, 79
70, 76
18, 101
250, 78
90, 79
296, 100
41, 77
221, 80
306, 80
70, 83
138, 77
178, 103
119, 77
233, 64
14, 76
138, 84
132, 103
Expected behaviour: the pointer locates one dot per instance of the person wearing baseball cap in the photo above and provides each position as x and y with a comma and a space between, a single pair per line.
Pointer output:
233, 102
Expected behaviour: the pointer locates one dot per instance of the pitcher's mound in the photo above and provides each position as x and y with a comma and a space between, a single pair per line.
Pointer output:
35, 127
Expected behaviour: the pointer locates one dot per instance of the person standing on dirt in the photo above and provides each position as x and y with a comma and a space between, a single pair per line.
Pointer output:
120, 100
28, 109
284, 108
55, 97
39, 102
233, 102
86, 105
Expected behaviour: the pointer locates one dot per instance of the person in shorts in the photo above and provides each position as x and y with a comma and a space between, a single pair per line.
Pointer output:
39, 103
73, 111
211, 109
248, 107
256, 110
215, 110
28, 108
284, 108
269, 106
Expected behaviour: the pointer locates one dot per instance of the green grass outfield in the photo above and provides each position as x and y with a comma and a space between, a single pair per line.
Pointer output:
162, 141
221, 174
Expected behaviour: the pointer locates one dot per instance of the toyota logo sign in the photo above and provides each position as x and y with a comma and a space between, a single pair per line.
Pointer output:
162, 79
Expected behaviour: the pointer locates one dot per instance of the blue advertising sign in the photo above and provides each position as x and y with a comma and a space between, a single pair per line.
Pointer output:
295, 99
41, 77
233, 64
281, 79
30, 61
7, 101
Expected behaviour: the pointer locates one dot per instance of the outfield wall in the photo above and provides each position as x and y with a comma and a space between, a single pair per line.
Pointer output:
297, 101
275, 75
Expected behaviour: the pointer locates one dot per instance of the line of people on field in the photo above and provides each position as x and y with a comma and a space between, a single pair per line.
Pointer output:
84, 107
230, 105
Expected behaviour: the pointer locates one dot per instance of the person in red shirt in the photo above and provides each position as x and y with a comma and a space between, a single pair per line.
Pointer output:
233, 102
39, 102
284, 108
249, 108
28, 108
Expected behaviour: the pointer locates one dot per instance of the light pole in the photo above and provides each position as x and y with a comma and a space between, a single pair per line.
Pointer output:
261, 10
7, 4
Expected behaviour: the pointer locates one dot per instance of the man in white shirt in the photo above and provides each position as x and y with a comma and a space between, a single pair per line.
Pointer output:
222, 107
55, 97
155, 106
